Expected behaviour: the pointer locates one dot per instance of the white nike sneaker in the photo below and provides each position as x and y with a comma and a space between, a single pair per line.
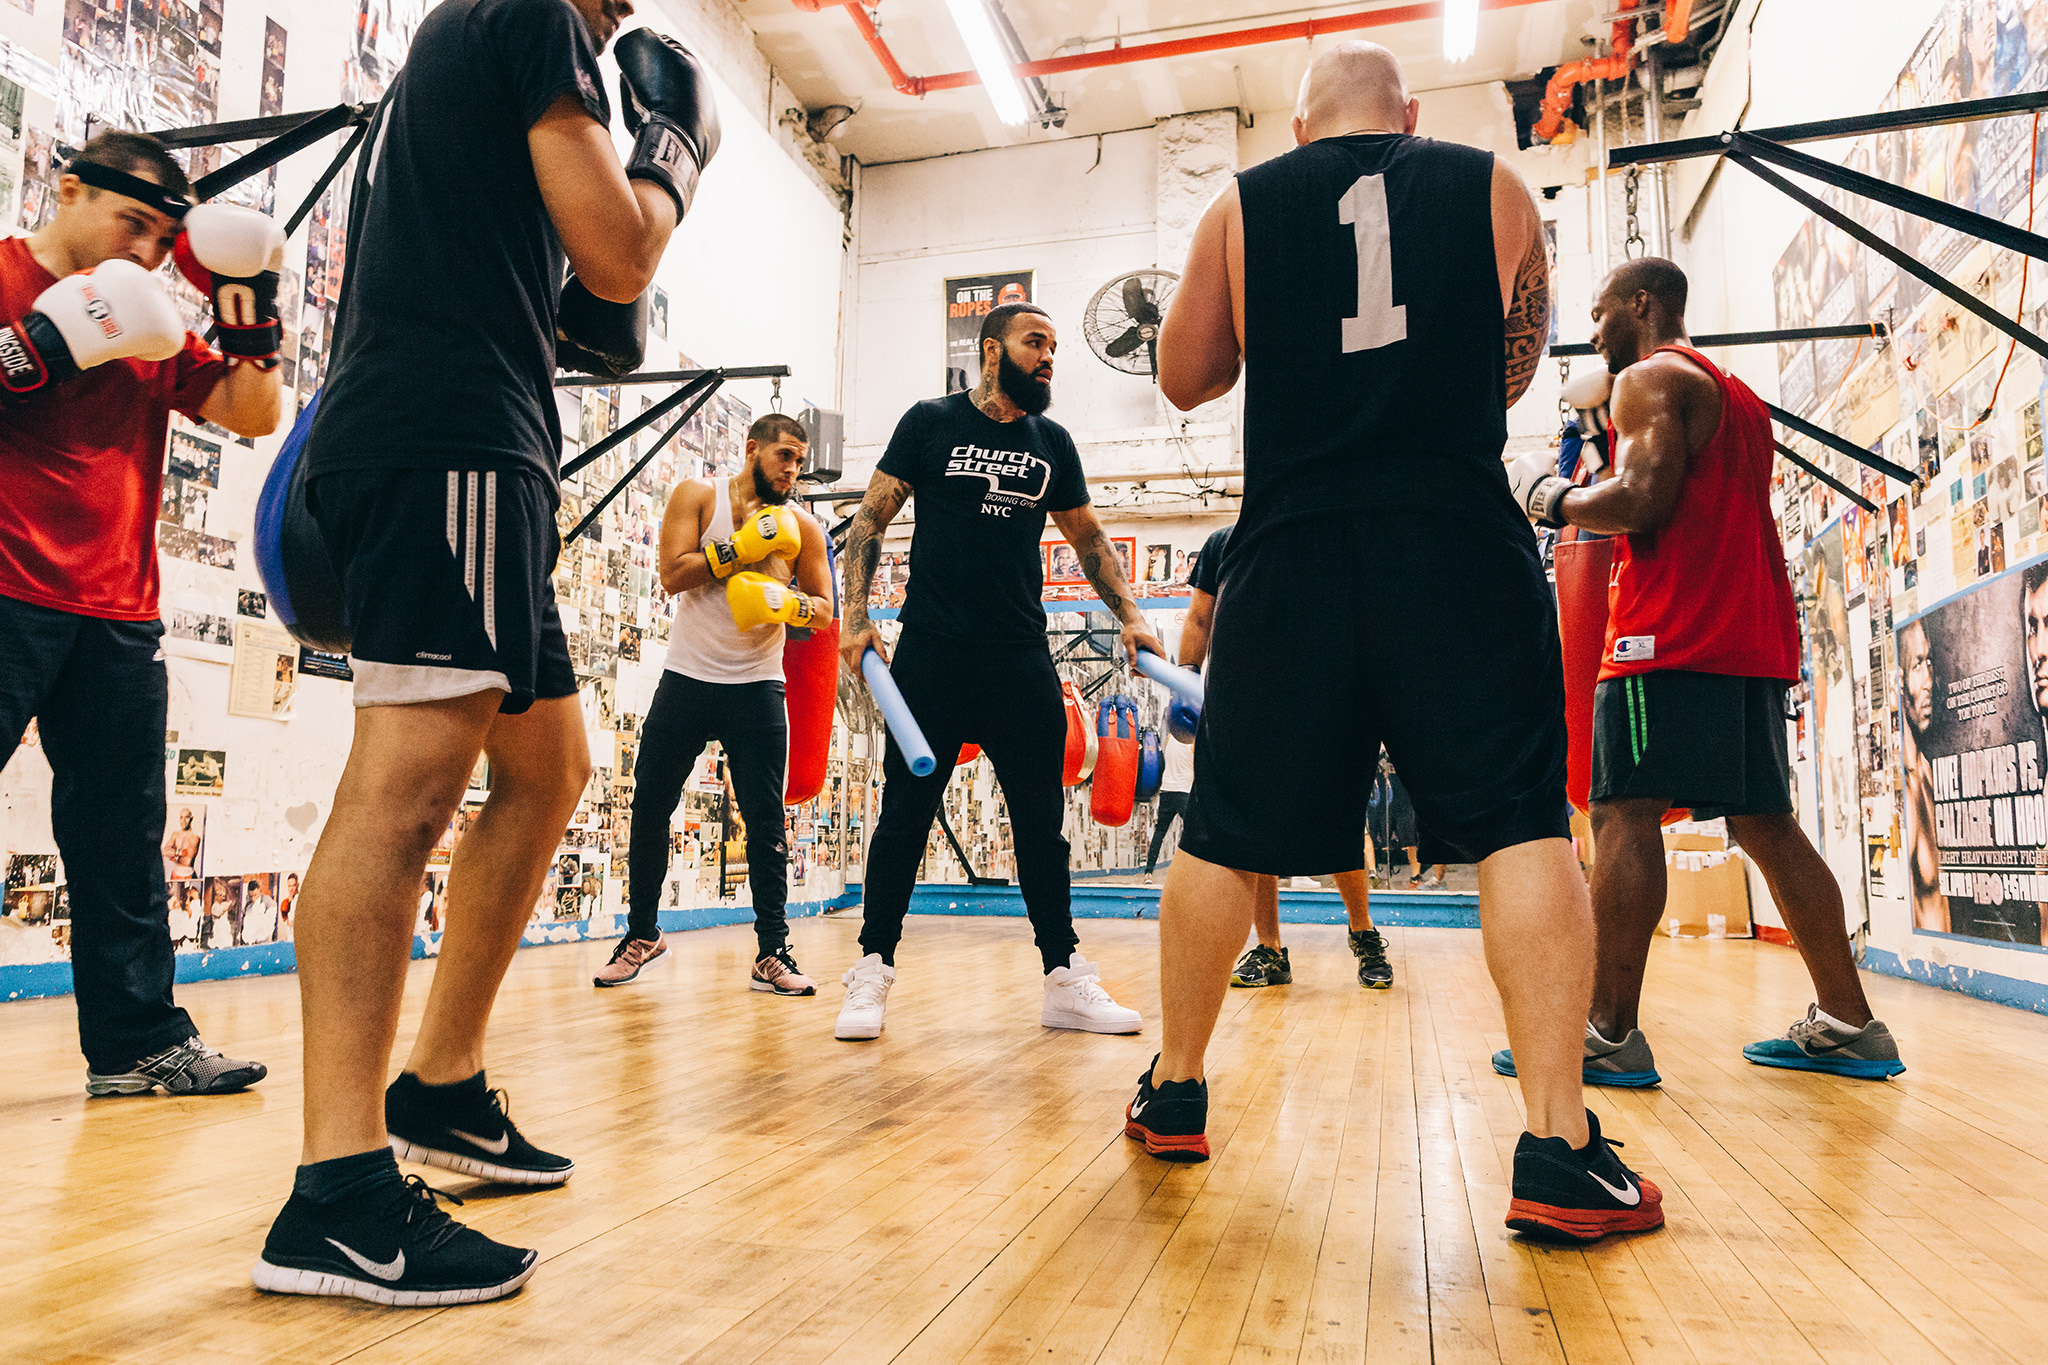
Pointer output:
1074, 998
867, 985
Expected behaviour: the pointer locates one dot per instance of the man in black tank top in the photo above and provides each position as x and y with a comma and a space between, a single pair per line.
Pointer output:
1388, 298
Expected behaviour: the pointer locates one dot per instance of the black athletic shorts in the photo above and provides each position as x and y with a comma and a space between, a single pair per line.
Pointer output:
1705, 741
1310, 670
446, 577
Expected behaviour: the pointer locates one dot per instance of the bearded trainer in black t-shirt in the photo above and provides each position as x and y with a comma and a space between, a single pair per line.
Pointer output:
430, 471
972, 663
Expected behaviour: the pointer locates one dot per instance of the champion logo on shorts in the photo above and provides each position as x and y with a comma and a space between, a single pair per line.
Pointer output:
1630, 649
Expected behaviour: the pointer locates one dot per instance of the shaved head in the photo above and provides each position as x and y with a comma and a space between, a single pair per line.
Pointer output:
1351, 87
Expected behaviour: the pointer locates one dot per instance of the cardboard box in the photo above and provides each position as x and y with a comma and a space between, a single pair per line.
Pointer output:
1709, 901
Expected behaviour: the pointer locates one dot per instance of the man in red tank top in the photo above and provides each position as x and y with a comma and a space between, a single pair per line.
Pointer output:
1702, 644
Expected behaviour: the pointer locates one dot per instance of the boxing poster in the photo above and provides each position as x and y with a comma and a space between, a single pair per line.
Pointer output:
1974, 671
968, 300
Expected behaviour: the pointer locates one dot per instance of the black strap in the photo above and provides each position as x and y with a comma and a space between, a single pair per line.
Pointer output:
132, 186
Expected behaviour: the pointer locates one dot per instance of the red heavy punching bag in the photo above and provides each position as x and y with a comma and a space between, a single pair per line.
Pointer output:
810, 670
1582, 568
1081, 738
1115, 788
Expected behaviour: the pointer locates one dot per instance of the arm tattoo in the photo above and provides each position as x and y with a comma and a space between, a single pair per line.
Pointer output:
1528, 321
1106, 572
885, 498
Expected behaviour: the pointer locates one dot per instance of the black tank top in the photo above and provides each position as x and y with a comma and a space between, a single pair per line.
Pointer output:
1374, 343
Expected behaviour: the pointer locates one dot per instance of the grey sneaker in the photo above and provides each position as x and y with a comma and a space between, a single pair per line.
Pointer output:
1813, 1044
190, 1068
1626, 1065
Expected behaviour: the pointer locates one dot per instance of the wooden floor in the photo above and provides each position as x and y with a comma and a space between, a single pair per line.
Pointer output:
748, 1189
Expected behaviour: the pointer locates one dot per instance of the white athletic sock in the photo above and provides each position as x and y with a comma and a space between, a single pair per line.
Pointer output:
1846, 1030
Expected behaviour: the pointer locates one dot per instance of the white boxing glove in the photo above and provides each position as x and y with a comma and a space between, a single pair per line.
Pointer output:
117, 312
1587, 393
1539, 488
233, 255
1588, 389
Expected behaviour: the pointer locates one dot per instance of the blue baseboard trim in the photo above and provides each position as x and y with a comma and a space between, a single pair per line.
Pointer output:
1406, 909
32, 980
2000, 990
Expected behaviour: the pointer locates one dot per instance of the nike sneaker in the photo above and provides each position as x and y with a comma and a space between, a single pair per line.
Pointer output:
188, 1068
1074, 999
1172, 1120
1579, 1195
1822, 1043
1626, 1065
777, 973
1262, 966
465, 1128
1374, 971
629, 958
867, 985
393, 1247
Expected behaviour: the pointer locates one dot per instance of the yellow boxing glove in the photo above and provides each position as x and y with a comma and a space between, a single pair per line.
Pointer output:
758, 600
770, 531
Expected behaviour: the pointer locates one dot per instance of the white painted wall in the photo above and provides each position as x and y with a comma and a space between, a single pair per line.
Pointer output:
1047, 207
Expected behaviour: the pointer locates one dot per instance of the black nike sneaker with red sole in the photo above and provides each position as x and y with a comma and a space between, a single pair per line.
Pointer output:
1171, 1120
1579, 1195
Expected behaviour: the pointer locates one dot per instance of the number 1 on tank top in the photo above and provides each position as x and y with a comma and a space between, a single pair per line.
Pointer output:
1380, 321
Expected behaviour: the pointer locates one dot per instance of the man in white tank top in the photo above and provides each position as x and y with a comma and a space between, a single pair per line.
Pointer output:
741, 563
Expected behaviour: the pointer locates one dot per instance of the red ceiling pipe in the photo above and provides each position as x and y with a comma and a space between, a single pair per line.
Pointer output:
902, 80
1146, 52
1552, 125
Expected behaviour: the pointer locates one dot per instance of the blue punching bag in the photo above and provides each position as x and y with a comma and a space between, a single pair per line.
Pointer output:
291, 555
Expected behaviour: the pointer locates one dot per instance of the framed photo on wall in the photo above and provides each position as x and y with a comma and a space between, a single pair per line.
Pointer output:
1063, 566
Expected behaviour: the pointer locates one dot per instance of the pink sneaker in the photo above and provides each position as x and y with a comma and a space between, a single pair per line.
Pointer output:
628, 958
777, 972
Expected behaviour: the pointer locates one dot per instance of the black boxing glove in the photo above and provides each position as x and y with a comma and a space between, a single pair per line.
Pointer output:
670, 110
597, 336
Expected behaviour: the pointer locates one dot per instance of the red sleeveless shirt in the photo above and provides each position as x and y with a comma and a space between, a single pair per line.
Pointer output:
1707, 592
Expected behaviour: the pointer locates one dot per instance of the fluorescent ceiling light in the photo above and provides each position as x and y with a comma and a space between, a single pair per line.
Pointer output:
978, 31
1461, 29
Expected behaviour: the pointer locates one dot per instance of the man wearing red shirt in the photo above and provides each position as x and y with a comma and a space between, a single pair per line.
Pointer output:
81, 471
1702, 644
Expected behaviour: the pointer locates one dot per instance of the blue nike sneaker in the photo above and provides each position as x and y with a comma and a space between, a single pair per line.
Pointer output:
1626, 1065
1817, 1043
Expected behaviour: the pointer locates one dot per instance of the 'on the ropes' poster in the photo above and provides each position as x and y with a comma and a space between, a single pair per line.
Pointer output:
1975, 674
968, 300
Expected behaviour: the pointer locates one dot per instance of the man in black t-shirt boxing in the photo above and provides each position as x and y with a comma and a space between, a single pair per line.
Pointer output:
972, 662
431, 472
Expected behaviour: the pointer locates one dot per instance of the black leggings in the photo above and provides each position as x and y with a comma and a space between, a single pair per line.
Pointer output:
1006, 698
1172, 806
752, 721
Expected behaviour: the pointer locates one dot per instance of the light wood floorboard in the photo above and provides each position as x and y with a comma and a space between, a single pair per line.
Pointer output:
748, 1189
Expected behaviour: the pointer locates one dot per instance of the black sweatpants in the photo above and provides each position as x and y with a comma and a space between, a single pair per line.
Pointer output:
1006, 698
752, 721
100, 694
1172, 806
